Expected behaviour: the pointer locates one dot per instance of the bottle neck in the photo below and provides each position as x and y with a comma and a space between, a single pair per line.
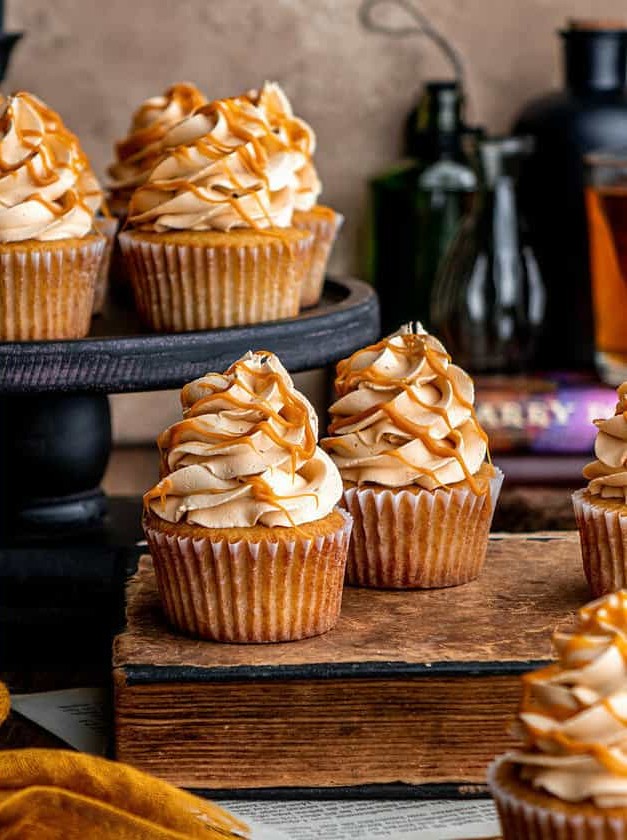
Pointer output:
434, 127
595, 60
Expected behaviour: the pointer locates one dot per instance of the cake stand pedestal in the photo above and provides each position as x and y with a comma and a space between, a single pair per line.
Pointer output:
55, 429
65, 550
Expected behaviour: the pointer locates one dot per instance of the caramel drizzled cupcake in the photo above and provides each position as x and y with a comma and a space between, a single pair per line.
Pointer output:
247, 542
569, 780
601, 507
49, 250
138, 153
412, 456
323, 222
212, 242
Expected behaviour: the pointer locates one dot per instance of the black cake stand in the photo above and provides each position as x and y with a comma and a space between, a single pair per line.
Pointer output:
65, 550
55, 431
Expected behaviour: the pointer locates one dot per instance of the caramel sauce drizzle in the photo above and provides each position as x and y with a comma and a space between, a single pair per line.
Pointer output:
293, 414
255, 161
349, 378
186, 97
609, 622
33, 141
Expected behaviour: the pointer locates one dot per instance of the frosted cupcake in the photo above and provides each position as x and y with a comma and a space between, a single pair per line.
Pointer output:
137, 154
247, 542
569, 780
212, 242
323, 222
49, 250
601, 507
412, 456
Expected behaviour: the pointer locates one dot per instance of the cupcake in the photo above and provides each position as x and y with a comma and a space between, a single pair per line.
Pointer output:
247, 542
601, 507
569, 780
412, 456
107, 225
323, 222
50, 251
212, 242
137, 154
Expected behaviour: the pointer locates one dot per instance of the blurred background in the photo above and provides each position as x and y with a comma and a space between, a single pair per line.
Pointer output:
95, 62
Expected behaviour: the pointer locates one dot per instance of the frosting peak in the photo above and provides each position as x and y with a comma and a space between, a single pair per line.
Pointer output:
140, 150
295, 133
405, 415
234, 163
47, 187
608, 474
574, 713
245, 452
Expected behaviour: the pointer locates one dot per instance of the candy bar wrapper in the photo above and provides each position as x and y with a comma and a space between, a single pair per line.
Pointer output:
180, 287
528, 820
263, 591
325, 230
418, 540
603, 537
48, 292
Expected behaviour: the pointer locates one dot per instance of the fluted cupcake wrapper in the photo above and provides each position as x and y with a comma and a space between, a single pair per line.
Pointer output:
244, 591
325, 232
522, 820
603, 537
418, 540
48, 293
195, 287
108, 227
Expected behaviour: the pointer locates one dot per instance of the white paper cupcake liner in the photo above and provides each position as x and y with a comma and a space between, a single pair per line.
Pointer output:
522, 820
108, 227
48, 293
245, 591
603, 537
325, 233
194, 287
423, 540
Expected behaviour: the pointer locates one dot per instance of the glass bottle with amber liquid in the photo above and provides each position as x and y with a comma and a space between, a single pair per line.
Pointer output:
417, 206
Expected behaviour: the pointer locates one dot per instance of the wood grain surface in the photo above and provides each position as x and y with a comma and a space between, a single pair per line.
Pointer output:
410, 687
529, 584
316, 733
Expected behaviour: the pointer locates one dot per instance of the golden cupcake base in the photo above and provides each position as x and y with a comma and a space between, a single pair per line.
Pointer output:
602, 525
47, 288
250, 585
186, 280
324, 223
411, 538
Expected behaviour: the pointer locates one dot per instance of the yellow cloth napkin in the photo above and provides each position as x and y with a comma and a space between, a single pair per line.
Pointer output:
65, 795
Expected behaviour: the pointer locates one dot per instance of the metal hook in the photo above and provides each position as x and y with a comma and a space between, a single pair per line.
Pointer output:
422, 27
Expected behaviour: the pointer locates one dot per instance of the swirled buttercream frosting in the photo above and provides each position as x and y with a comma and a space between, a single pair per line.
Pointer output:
224, 167
137, 154
295, 133
608, 473
405, 415
47, 187
574, 713
245, 453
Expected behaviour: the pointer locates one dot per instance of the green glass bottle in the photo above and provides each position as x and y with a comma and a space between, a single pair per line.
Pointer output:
417, 206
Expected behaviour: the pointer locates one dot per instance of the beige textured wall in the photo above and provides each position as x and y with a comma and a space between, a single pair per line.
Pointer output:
94, 60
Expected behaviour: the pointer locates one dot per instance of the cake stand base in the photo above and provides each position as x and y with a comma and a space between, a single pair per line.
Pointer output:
54, 449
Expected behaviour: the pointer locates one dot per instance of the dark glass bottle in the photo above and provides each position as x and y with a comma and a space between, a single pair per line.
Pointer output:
418, 205
488, 298
590, 114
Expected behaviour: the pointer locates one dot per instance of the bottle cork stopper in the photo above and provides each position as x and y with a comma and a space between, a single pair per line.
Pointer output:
595, 24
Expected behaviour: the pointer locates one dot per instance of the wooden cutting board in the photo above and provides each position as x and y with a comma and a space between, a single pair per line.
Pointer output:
411, 689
